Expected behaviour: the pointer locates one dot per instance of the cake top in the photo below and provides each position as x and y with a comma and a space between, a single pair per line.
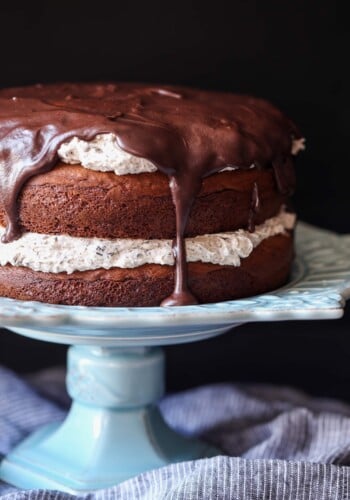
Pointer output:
187, 134
176, 128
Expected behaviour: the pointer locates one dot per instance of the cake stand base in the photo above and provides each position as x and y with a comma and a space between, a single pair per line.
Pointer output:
113, 430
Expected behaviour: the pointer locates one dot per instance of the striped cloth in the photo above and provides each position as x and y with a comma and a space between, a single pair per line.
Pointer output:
278, 444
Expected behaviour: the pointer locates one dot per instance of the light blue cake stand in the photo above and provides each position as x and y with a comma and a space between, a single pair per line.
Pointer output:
116, 370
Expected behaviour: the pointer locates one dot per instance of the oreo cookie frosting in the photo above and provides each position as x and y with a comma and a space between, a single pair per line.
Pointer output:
128, 194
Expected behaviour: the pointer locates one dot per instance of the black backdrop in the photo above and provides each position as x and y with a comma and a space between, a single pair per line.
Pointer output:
292, 53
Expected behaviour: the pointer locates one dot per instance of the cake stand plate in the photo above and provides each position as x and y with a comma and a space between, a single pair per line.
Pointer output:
115, 373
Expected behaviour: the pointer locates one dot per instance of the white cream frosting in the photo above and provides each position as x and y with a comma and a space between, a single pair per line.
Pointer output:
298, 145
63, 253
103, 154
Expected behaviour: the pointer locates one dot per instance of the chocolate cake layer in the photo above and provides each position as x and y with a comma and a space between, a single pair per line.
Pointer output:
80, 202
265, 269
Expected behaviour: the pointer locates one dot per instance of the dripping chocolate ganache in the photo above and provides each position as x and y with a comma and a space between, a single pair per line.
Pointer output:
140, 195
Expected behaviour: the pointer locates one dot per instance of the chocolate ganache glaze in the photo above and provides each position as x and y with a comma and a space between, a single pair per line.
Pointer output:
188, 134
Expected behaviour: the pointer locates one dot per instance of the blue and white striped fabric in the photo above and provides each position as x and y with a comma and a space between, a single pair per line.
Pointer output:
278, 444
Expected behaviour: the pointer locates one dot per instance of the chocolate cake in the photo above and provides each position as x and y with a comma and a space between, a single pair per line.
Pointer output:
139, 195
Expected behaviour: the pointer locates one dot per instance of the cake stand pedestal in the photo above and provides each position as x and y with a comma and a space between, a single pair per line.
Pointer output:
113, 430
115, 374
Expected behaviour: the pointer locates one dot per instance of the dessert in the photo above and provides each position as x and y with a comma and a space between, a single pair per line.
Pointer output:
137, 195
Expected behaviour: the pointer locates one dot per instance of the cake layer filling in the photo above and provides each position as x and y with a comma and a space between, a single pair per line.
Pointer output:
63, 253
103, 154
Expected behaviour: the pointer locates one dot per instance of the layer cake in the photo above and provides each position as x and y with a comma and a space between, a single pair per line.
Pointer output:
140, 195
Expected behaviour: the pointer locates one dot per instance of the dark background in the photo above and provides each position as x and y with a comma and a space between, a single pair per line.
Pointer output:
292, 53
